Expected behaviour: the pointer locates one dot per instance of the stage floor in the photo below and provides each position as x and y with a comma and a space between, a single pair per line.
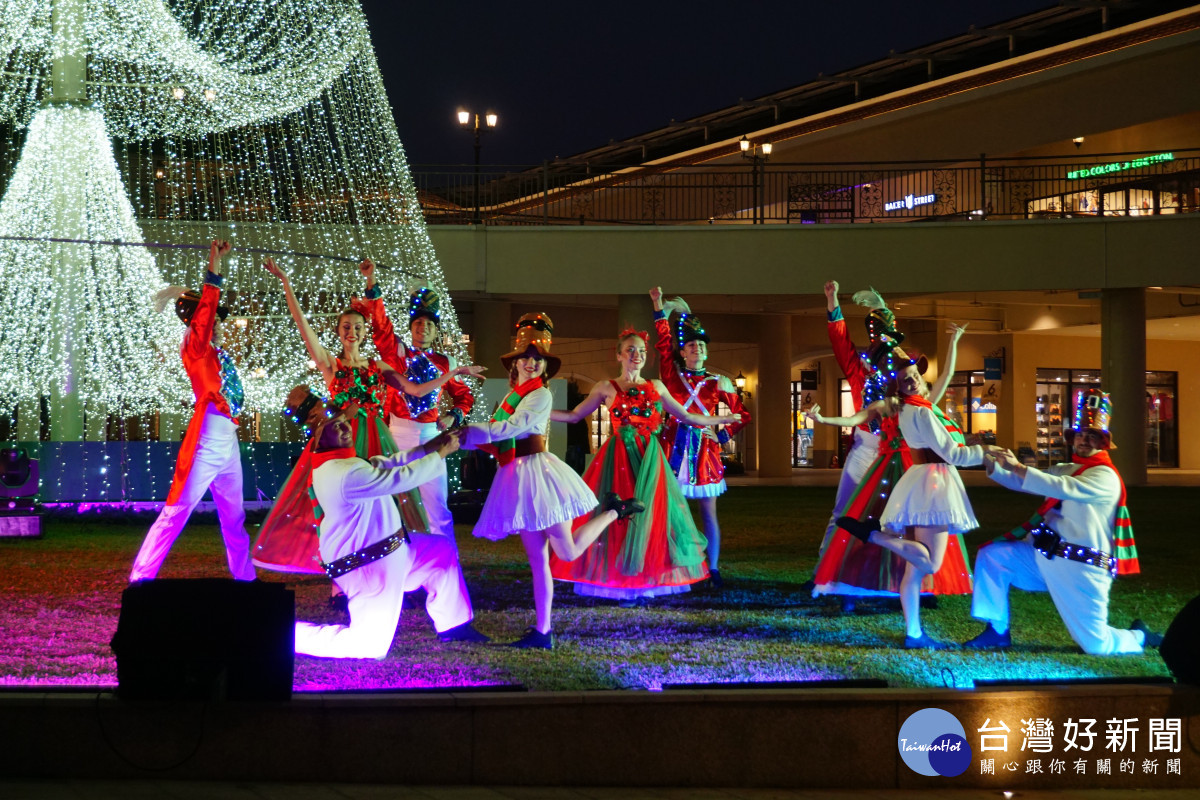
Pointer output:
689, 740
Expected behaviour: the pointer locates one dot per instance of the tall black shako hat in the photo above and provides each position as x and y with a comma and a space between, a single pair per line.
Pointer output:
687, 326
424, 302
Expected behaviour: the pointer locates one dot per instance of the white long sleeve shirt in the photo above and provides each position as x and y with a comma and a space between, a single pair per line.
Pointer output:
356, 497
1089, 501
531, 417
920, 427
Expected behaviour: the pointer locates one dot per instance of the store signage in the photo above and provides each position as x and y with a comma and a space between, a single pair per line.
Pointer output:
910, 201
1119, 166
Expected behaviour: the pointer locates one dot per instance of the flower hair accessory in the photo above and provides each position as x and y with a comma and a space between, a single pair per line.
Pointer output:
631, 331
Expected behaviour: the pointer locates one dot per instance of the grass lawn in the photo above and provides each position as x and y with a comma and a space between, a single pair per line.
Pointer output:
62, 600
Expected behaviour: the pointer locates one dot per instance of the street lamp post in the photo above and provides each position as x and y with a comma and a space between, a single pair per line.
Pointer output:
757, 155
465, 120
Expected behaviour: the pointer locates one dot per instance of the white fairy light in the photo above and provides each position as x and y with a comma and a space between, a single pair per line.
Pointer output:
283, 140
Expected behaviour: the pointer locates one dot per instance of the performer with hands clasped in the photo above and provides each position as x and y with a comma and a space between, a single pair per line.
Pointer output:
929, 501
534, 494
1079, 540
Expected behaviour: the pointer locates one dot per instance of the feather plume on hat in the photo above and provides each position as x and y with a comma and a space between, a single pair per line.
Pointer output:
675, 305
869, 298
167, 296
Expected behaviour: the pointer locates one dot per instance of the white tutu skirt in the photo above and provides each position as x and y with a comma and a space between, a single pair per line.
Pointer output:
531, 493
932, 496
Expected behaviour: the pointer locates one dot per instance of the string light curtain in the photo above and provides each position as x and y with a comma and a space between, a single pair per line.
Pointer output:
173, 122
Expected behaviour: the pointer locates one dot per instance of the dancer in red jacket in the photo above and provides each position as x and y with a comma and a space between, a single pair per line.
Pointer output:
209, 457
695, 453
414, 421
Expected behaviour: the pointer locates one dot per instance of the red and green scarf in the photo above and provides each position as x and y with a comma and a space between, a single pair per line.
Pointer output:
317, 460
505, 449
956, 433
1126, 548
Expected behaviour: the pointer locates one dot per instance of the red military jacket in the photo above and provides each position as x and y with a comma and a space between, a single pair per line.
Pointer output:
848, 358
203, 367
683, 385
410, 362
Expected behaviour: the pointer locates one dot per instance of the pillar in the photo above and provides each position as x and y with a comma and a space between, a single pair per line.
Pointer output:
491, 335
773, 393
1123, 376
636, 311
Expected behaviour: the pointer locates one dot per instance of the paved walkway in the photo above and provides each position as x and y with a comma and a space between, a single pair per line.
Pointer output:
183, 790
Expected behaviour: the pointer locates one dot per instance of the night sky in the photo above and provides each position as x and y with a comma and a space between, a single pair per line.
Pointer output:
568, 76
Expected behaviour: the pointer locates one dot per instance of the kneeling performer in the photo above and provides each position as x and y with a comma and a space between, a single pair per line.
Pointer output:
365, 547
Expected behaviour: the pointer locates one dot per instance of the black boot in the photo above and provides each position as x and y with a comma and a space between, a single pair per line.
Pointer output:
1152, 639
624, 508
859, 529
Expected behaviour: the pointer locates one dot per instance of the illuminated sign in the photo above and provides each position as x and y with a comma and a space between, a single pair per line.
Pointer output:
1119, 166
910, 201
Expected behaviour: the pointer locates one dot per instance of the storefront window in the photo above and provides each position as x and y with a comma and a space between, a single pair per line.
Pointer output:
599, 428
1054, 410
971, 402
802, 427
1178, 193
1161, 436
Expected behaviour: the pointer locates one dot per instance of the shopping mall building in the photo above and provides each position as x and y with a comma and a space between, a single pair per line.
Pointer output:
1037, 180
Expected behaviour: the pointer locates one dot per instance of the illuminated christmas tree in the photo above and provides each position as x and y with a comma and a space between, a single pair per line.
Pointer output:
173, 122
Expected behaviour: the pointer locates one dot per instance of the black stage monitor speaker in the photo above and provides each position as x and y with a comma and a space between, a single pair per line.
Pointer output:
1181, 644
205, 639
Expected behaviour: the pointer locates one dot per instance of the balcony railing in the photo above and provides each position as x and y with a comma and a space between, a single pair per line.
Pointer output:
566, 193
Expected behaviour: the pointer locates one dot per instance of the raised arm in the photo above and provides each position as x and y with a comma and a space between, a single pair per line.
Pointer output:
675, 409
371, 306
938, 390
402, 384
316, 351
662, 338
844, 351
599, 394
204, 318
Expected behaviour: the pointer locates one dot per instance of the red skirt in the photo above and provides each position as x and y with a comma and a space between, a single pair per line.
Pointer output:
660, 547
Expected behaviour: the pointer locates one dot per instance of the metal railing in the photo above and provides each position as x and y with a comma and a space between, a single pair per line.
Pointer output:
565, 193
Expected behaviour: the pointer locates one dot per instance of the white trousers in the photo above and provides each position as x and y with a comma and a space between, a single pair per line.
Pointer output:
1079, 592
217, 465
858, 460
376, 594
407, 435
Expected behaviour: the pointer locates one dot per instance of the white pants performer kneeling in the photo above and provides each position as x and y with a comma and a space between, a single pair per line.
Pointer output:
370, 555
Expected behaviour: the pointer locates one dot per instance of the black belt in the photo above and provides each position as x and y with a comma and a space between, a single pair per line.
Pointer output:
372, 552
1051, 545
925, 455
